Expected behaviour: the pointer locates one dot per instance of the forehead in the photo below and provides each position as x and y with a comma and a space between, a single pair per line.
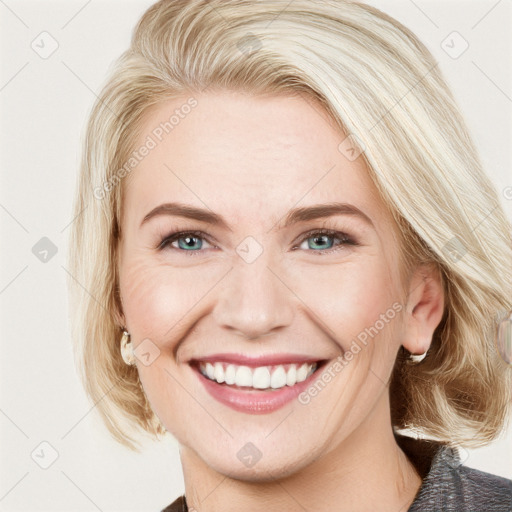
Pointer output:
245, 155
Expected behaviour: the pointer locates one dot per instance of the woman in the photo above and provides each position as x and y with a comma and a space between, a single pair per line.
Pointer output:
286, 267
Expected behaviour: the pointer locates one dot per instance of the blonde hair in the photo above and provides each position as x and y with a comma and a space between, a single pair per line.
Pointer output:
380, 84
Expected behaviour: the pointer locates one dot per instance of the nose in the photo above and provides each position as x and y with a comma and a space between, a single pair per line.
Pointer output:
254, 300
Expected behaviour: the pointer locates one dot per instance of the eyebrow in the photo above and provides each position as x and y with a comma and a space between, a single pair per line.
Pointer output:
303, 214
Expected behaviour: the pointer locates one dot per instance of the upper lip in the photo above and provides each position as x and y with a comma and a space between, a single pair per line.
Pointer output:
253, 361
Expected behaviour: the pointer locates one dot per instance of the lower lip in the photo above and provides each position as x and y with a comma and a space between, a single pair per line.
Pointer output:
252, 401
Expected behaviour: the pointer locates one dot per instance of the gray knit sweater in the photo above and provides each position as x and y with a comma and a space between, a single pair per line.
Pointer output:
448, 486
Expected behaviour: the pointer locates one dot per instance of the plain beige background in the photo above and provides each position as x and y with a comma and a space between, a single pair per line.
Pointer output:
45, 100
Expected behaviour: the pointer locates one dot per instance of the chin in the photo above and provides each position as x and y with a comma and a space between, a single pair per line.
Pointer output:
249, 464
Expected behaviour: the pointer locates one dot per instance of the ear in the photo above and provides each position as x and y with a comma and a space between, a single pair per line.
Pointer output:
424, 308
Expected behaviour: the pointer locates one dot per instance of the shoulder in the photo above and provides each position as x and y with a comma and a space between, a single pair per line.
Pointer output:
179, 505
451, 486
486, 489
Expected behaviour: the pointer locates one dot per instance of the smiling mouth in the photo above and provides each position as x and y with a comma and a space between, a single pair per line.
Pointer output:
259, 378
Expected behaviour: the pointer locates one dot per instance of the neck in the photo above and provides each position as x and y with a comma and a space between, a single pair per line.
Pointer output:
365, 471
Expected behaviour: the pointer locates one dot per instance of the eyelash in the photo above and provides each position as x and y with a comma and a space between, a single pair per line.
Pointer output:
343, 237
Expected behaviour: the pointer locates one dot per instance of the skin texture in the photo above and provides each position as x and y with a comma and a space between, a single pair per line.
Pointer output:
251, 159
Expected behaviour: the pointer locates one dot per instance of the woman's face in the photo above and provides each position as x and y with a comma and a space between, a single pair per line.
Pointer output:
256, 280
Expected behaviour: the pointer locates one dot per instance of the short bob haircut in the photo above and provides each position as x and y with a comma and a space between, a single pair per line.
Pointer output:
381, 86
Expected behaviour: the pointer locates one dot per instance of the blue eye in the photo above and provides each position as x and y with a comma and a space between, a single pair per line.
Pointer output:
187, 241
323, 241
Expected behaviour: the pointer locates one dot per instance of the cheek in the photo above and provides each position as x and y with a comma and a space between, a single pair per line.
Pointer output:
349, 297
154, 298
162, 302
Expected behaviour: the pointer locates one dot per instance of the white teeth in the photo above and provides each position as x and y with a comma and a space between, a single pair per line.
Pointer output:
210, 370
302, 373
243, 376
230, 374
219, 373
291, 375
278, 379
261, 377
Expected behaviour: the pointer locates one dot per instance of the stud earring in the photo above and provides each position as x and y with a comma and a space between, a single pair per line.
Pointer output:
127, 349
